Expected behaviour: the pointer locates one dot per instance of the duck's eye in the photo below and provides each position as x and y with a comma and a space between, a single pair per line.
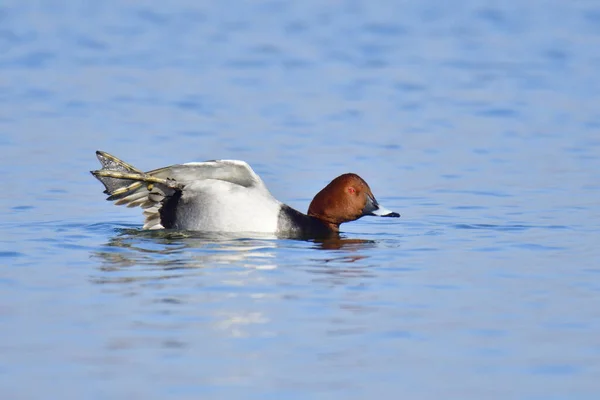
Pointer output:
351, 190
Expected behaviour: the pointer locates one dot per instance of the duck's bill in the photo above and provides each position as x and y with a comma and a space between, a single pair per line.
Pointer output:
384, 212
373, 208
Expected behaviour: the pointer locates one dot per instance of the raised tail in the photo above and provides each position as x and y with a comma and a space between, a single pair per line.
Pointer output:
125, 184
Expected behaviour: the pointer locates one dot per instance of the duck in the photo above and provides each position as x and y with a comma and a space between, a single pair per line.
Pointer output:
227, 196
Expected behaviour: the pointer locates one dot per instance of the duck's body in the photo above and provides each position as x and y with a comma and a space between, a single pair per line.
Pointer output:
228, 196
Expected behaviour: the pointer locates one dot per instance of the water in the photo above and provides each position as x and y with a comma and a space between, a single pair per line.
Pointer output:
477, 121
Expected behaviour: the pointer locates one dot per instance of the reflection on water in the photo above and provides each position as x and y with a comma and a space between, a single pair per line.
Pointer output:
173, 250
227, 271
346, 244
176, 250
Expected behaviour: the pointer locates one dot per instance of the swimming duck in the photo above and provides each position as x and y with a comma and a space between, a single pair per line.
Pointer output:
228, 196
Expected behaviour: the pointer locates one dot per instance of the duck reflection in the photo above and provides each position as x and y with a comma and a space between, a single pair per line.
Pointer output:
217, 274
170, 251
340, 243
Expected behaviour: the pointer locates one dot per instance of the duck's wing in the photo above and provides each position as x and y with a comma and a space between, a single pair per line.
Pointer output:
233, 171
152, 190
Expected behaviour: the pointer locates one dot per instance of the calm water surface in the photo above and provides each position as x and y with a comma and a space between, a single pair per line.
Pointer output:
477, 121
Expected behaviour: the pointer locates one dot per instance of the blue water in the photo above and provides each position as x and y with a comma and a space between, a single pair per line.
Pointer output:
477, 121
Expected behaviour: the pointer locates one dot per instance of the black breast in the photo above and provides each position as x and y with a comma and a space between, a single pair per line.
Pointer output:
293, 223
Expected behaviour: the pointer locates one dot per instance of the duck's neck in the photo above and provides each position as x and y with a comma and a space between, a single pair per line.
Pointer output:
308, 226
333, 226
